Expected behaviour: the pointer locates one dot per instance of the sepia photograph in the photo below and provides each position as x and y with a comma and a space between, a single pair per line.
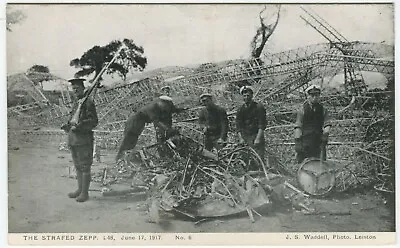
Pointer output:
201, 119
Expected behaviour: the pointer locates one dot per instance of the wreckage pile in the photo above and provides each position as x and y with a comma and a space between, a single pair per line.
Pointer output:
184, 178
181, 177
193, 182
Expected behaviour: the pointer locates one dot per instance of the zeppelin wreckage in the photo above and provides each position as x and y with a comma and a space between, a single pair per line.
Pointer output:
194, 183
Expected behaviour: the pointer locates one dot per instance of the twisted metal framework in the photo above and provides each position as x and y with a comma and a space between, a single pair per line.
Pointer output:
284, 69
353, 80
279, 80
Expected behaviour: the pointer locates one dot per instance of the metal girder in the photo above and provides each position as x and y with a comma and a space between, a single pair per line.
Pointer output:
25, 107
353, 79
294, 55
282, 74
290, 84
121, 94
342, 130
144, 91
300, 77
328, 59
38, 94
379, 50
365, 64
113, 126
322, 26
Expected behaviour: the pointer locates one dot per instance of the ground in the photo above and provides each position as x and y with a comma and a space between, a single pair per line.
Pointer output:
38, 184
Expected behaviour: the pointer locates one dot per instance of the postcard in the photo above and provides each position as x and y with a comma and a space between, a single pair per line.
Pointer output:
200, 124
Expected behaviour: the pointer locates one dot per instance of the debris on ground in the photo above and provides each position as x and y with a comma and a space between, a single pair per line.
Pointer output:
193, 183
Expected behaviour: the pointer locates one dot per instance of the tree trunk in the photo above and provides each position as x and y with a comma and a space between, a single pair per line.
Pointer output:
265, 31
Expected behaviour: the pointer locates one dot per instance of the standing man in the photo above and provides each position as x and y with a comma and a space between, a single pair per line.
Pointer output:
214, 120
80, 138
251, 122
312, 127
159, 113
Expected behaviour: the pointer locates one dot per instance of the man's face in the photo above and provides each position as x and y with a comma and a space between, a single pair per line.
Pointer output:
247, 96
206, 101
314, 97
78, 90
166, 92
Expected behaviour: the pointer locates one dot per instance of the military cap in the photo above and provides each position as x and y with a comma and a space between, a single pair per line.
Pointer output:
166, 98
167, 87
313, 89
77, 81
205, 95
246, 88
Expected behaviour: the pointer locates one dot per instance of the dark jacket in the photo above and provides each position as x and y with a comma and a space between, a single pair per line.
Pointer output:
311, 120
216, 120
158, 111
88, 120
251, 118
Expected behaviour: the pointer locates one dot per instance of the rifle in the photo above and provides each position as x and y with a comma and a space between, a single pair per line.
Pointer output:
96, 82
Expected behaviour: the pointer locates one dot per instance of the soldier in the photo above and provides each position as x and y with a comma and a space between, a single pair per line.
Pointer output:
161, 134
214, 120
159, 113
312, 127
80, 138
251, 122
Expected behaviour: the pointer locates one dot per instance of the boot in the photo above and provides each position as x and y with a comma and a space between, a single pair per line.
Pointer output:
84, 195
78, 191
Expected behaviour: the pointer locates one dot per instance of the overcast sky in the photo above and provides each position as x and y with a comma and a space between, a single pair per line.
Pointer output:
180, 35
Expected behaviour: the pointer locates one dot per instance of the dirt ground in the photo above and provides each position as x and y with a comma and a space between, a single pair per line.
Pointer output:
37, 202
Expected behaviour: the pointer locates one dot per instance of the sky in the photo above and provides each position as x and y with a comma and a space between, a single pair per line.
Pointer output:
177, 35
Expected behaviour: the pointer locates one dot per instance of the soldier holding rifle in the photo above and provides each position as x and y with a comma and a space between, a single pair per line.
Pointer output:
80, 138
312, 127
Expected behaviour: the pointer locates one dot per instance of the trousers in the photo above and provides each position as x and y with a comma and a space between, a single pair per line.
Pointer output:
82, 156
312, 147
133, 128
260, 148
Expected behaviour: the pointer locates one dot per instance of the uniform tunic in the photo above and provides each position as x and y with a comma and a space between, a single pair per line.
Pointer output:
159, 111
249, 119
311, 120
165, 118
80, 140
168, 108
216, 121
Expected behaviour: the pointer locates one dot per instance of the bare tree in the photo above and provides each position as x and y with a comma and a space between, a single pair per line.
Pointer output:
269, 17
268, 22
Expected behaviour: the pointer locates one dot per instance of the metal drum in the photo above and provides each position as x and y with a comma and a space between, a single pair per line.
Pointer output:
316, 177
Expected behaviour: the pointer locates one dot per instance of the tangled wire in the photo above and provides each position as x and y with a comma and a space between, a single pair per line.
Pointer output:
180, 172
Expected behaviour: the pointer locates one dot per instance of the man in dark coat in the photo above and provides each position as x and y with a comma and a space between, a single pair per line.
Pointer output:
161, 133
159, 113
80, 138
214, 120
312, 127
251, 121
